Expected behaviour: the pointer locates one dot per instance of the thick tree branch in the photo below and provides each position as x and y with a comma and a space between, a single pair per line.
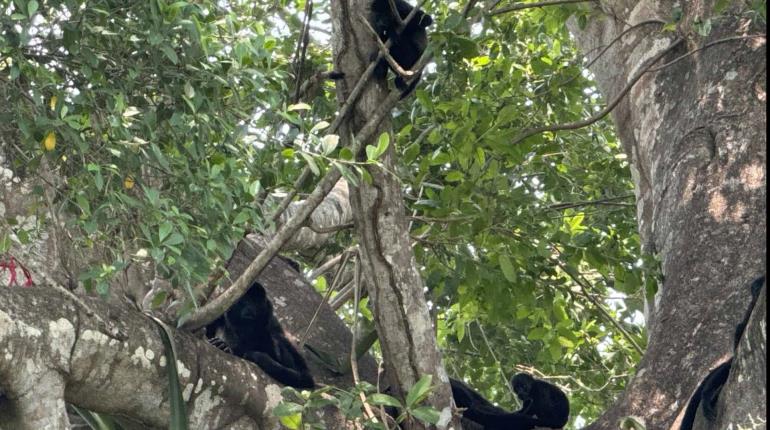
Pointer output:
44, 330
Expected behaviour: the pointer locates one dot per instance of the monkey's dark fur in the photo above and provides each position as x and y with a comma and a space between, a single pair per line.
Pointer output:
408, 46
544, 405
707, 393
250, 330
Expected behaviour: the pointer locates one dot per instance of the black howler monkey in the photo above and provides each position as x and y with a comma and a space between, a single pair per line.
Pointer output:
544, 405
407, 47
250, 330
707, 393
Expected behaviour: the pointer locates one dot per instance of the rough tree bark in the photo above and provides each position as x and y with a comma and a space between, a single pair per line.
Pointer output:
695, 134
395, 287
52, 350
334, 211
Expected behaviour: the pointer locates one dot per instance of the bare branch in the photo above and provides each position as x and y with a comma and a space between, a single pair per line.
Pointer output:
609, 201
522, 6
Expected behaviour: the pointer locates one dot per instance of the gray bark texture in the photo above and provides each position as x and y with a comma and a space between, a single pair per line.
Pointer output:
394, 284
695, 134
333, 211
109, 358
53, 350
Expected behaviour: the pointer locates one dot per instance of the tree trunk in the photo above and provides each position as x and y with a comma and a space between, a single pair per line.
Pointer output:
694, 132
395, 287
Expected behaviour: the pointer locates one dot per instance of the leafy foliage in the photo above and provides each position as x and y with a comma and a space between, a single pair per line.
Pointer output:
146, 110
168, 125
301, 411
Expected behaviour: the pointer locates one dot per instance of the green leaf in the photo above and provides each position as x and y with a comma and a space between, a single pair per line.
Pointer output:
170, 53
454, 176
178, 420
329, 142
555, 349
285, 409
189, 91
290, 414
164, 229
174, 239
346, 154
346, 173
426, 414
299, 106
319, 126
537, 333
292, 422
410, 153
242, 217
382, 143
507, 267
563, 341
32, 8
371, 153
384, 400
254, 188
311, 163
418, 392
507, 114
460, 331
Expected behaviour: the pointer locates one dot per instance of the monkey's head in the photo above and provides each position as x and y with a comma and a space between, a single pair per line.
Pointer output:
253, 308
522, 385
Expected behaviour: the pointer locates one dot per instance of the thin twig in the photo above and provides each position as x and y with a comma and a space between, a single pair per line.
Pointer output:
612, 42
494, 357
353, 349
608, 201
301, 51
309, 82
343, 296
329, 263
414, 212
468, 7
330, 229
588, 121
522, 6
325, 300
600, 307
303, 176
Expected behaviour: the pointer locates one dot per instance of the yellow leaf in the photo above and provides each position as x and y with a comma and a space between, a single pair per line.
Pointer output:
49, 143
128, 183
52, 103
